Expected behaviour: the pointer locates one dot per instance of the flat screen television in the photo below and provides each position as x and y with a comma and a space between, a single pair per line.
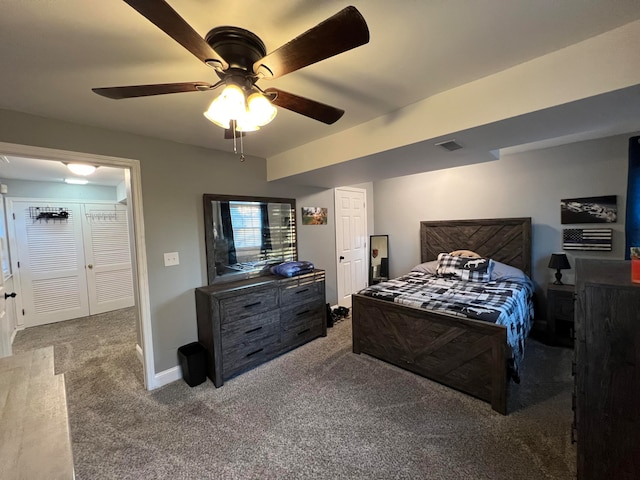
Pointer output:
245, 236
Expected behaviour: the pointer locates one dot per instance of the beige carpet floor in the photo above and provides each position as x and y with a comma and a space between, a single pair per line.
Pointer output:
318, 412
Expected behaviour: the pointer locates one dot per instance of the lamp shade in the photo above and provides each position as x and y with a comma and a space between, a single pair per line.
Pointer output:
249, 114
559, 261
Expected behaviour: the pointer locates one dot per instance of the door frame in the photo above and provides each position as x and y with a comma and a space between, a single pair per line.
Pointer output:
365, 228
134, 198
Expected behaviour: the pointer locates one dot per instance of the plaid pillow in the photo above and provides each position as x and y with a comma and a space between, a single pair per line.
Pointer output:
464, 268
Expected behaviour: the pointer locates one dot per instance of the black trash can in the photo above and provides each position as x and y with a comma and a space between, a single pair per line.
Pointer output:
193, 361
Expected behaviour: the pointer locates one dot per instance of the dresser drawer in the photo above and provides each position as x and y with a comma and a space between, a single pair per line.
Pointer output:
250, 358
299, 290
306, 314
249, 330
250, 342
300, 334
242, 306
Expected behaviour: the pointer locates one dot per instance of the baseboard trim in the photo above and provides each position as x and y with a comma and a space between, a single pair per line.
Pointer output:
167, 376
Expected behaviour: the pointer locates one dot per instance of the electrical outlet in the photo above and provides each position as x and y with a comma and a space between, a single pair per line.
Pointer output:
171, 259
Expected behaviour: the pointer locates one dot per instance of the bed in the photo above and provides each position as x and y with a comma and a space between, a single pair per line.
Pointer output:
470, 355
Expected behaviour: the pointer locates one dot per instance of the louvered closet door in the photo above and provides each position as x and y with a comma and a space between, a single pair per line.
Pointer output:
52, 273
108, 257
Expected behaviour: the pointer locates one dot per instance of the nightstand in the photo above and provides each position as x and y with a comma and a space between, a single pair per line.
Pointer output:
560, 329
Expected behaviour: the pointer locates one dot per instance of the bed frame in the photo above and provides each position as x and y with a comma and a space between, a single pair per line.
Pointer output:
468, 355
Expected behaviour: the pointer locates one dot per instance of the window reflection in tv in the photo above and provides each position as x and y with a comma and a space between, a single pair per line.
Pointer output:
245, 236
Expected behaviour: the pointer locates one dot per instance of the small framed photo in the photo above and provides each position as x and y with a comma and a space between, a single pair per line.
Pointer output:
314, 215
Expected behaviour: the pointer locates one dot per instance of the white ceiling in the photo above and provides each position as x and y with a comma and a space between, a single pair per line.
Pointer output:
23, 168
53, 52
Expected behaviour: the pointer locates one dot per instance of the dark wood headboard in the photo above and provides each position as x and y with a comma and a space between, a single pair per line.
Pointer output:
507, 240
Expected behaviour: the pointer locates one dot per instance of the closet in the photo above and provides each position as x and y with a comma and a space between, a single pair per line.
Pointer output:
72, 260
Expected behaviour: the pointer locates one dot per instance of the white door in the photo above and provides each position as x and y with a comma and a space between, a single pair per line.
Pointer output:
50, 261
108, 256
351, 246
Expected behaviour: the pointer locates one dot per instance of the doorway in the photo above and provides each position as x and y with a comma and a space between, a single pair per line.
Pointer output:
133, 186
351, 242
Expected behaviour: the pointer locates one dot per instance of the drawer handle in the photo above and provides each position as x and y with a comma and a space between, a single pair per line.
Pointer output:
253, 330
252, 304
253, 353
573, 402
573, 433
302, 291
573, 369
304, 331
302, 313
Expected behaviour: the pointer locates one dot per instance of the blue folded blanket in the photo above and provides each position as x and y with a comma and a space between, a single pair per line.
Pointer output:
291, 269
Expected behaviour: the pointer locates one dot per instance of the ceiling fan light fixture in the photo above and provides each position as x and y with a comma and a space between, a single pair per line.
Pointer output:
260, 109
82, 169
249, 114
214, 117
246, 126
229, 105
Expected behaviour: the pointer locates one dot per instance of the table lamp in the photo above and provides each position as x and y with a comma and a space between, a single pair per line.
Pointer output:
559, 261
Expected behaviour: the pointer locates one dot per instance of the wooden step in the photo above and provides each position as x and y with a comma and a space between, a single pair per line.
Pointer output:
35, 441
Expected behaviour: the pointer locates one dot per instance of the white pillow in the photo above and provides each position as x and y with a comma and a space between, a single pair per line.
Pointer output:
502, 271
427, 267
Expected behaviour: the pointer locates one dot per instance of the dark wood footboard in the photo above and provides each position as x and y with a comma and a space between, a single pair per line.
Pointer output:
468, 355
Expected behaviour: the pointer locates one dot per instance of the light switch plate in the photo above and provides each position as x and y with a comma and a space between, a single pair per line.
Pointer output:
171, 259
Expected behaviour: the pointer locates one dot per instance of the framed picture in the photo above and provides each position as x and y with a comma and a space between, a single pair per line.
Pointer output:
314, 216
594, 239
589, 210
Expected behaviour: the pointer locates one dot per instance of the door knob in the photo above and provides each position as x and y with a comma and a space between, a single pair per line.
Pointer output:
341, 258
9, 295
90, 266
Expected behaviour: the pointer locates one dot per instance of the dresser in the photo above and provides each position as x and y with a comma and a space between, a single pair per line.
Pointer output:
607, 368
245, 323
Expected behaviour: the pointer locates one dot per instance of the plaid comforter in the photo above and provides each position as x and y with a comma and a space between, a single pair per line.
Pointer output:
507, 303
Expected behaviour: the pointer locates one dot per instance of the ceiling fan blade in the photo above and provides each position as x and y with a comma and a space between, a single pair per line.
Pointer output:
309, 108
345, 30
132, 91
167, 19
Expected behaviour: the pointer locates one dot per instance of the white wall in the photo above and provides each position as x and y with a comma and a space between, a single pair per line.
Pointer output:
528, 184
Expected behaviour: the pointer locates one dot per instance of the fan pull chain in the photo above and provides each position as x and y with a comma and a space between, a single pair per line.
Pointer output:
235, 145
233, 129
241, 148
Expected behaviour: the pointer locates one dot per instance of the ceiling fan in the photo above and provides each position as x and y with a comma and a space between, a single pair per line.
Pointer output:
240, 59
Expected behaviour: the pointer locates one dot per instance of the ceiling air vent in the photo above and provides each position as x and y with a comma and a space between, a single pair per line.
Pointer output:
450, 145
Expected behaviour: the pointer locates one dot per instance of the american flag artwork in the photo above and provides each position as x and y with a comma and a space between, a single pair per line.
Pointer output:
598, 239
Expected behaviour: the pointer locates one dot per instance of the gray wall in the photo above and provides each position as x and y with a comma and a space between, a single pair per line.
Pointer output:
528, 184
174, 177
58, 190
